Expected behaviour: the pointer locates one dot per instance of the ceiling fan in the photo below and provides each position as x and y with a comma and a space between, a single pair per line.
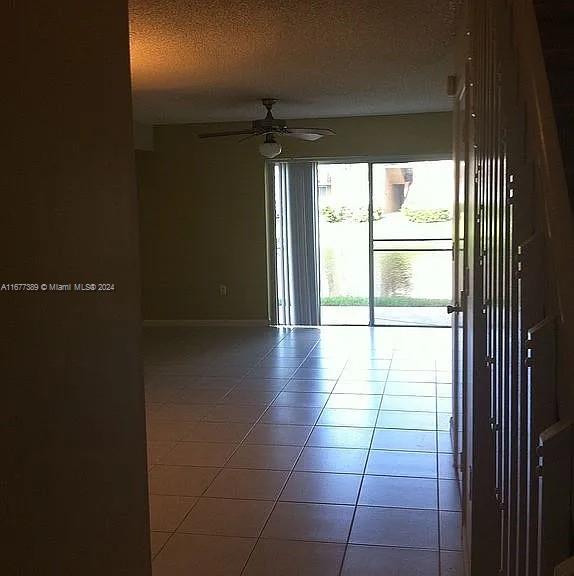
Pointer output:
271, 127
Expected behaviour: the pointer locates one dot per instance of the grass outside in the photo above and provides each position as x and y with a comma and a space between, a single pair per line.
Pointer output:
383, 301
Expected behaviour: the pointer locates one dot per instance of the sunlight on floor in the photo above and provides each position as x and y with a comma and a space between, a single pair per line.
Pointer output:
301, 451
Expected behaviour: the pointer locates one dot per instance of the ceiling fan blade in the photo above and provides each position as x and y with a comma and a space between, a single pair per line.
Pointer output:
252, 135
309, 134
230, 133
259, 133
306, 136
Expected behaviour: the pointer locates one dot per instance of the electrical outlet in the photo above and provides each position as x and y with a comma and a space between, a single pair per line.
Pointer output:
222, 290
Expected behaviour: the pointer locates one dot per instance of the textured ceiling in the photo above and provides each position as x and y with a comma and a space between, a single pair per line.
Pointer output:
204, 61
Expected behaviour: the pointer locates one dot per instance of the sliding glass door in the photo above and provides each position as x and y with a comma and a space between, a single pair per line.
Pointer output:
363, 243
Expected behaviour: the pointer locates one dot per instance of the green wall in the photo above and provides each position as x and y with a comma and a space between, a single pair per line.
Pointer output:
203, 207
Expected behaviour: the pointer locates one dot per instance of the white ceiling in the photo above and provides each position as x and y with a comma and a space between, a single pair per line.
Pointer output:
212, 60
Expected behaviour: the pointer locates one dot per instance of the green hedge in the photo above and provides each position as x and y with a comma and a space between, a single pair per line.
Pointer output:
346, 214
380, 301
426, 215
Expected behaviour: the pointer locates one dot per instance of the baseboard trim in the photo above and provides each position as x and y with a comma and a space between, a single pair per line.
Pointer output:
189, 323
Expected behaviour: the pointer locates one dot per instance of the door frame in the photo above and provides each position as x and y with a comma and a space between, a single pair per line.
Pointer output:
460, 284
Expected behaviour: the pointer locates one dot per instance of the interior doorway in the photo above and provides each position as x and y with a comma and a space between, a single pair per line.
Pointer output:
362, 243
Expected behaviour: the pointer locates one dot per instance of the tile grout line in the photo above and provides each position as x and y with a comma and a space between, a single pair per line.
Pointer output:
214, 478
276, 500
364, 472
297, 460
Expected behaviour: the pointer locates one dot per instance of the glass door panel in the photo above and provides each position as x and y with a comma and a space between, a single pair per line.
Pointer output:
411, 247
412, 288
343, 191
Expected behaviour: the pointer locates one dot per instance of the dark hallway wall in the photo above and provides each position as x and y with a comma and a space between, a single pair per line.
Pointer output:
72, 411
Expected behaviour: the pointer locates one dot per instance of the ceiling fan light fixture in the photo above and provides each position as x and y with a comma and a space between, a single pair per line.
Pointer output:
270, 148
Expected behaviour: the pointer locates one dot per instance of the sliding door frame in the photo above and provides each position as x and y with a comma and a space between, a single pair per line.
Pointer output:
271, 233
370, 248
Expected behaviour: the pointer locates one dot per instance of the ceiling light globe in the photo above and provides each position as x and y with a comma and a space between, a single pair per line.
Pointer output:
270, 149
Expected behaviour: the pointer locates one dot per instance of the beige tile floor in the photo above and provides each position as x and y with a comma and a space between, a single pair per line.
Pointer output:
301, 452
